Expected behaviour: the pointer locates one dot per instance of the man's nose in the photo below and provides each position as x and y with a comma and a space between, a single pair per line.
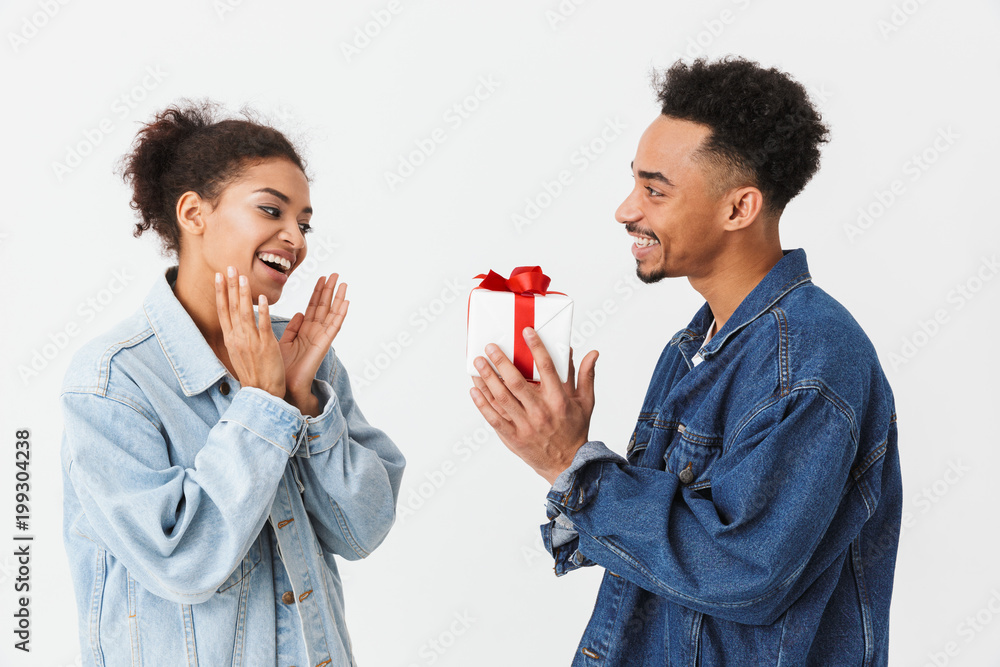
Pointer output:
628, 211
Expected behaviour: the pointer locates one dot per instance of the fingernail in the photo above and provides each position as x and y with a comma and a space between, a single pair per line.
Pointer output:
231, 271
218, 277
480, 363
529, 332
243, 281
492, 349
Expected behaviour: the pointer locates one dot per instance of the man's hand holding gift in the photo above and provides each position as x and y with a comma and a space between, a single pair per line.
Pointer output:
543, 422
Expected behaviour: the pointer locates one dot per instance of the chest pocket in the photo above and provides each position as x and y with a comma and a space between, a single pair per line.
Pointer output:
249, 562
691, 456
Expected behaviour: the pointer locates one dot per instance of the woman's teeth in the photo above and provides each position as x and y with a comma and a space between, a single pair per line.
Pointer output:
274, 259
644, 242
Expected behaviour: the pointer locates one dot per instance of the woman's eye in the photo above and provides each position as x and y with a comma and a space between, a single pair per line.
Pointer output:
305, 227
268, 209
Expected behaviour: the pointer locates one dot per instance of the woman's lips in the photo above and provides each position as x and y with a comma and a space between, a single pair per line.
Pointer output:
273, 274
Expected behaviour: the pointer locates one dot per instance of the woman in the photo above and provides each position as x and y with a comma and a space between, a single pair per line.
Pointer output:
211, 471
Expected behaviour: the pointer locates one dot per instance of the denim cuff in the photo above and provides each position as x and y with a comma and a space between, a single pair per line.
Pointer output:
268, 417
325, 430
572, 489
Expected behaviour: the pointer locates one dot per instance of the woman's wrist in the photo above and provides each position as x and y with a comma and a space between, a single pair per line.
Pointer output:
307, 404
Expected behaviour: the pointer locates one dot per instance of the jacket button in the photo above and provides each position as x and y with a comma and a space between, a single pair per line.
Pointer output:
224, 388
686, 476
287, 597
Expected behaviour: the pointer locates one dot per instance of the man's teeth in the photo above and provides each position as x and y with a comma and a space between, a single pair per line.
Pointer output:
644, 242
275, 259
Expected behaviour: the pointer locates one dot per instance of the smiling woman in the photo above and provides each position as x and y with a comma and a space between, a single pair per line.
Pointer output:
214, 459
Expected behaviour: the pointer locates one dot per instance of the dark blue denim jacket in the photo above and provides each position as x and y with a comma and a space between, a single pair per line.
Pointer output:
756, 518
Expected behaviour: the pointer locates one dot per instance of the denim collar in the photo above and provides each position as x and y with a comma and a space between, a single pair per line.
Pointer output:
194, 362
790, 272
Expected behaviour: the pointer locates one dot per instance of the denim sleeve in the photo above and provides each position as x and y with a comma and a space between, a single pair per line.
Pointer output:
351, 471
734, 550
559, 531
179, 531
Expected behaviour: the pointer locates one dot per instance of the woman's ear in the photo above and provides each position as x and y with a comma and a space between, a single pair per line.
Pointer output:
191, 209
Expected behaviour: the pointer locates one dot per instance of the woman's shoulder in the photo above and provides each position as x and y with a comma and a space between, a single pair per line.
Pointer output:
90, 366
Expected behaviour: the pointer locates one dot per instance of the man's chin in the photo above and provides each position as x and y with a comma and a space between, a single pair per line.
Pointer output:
649, 277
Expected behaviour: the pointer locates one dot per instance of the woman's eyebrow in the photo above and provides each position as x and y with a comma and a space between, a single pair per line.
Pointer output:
282, 196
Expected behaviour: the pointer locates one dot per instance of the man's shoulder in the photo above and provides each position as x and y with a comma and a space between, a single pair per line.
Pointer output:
825, 345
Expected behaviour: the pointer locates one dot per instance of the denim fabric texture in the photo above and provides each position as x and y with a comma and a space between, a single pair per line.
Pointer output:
756, 515
202, 518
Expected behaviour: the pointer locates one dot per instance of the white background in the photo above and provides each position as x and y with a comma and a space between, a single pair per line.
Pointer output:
889, 78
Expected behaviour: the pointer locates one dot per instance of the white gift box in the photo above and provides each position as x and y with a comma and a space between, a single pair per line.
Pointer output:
491, 320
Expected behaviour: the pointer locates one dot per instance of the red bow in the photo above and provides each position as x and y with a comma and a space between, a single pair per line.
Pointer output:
523, 280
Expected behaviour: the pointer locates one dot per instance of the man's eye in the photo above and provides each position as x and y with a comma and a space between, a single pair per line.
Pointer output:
652, 192
305, 227
268, 209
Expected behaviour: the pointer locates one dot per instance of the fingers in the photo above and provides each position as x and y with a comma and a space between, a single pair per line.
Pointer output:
264, 317
234, 301
501, 425
325, 297
314, 299
481, 386
505, 391
222, 304
543, 360
587, 374
570, 383
292, 328
246, 307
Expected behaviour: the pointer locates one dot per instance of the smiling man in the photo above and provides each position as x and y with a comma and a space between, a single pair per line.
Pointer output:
755, 517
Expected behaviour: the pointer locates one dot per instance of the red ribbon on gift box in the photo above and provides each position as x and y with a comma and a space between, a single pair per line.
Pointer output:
525, 282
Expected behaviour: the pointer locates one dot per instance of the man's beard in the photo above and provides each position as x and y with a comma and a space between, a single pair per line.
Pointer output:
656, 276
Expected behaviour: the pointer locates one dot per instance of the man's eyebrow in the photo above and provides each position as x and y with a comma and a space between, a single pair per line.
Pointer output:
282, 196
654, 176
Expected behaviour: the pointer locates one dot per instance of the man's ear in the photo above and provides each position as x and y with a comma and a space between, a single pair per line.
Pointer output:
191, 209
744, 207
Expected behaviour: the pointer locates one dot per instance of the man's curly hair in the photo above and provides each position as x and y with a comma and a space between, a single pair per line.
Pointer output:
765, 131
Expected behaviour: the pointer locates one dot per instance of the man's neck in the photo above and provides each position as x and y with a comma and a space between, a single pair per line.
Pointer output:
725, 287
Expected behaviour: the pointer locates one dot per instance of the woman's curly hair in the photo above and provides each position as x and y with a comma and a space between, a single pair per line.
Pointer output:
186, 148
765, 131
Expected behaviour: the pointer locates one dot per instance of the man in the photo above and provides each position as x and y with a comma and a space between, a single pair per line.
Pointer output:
756, 517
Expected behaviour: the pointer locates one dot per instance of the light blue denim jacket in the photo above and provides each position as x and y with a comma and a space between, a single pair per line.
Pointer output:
185, 493
756, 515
